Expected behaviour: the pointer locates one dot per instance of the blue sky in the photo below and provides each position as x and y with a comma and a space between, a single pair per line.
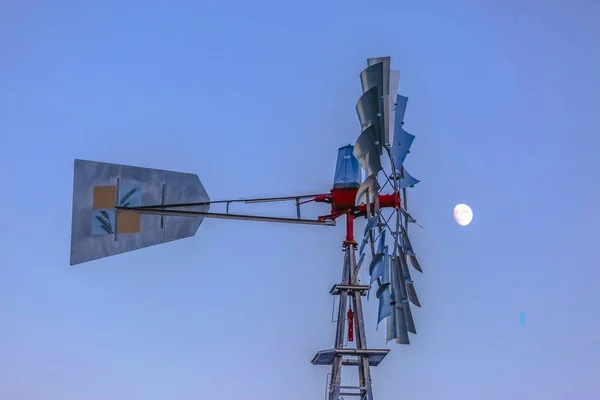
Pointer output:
256, 98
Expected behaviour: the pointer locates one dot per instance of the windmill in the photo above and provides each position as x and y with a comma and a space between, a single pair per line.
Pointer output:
120, 208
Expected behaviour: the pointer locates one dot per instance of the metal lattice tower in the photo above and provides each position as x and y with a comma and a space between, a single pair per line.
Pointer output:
350, 323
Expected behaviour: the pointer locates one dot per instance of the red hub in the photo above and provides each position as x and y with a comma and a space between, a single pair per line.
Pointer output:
343, 203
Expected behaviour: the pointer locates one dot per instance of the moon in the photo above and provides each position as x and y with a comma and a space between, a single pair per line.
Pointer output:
463, 214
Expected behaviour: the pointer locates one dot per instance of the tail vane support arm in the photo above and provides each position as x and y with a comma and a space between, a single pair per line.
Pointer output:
178, 210
160, 210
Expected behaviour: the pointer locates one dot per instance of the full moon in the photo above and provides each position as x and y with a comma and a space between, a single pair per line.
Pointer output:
463, 214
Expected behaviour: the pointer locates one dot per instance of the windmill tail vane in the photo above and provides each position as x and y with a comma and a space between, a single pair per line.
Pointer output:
119, 208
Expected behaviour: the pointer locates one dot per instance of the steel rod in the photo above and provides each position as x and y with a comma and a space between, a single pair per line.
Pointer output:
249, 201
157, 210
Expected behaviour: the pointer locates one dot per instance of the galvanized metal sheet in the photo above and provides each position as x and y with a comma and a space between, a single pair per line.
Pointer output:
376, 267
366, 151
408, 217
394, 80
404, 303
372, 78
407, 181
410, 322
347, 169
381, 247
410, 288
363, 244
401, 147
385, 307
412, 294
371, 223
369, 186
99, 230
401, 103
368, 111
385, 274
415, 263
402, 140
385, 61
397, 328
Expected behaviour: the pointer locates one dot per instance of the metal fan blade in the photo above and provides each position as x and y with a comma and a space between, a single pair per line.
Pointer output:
380, 264
412, 294
371, 223
369, 186
372, 77
390, 327
385, 308
415, 263
410, 288
397, 281
383, 95
385, 274
401, 102
381, 248
402, 139
363, 244
367, 150
408, 217
367, 109
396, 326
407, 181
400, 150
393, 92
406, 245
410, 322
376, 269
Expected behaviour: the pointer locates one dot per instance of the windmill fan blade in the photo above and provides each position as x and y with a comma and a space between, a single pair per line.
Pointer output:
401, 147
384, 86
370, 186
381, 248
406, 245
408, 217
376, 267
410, 288
393, 92
385, 308
402, 139
385, 275
401, 102
412, 294
363, 244
408, 250
366, 150
396, 326
407, 181
367, 109
410, 322
371, 223
415, 263
372, 78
